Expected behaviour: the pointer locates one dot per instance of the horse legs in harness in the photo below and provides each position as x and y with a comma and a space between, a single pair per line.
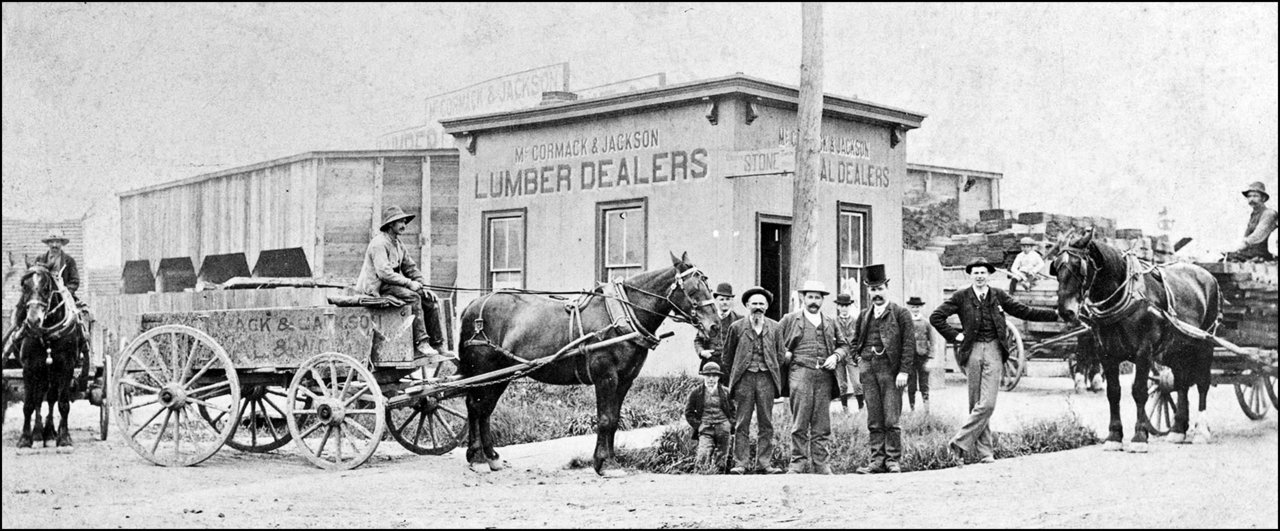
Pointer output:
1115, 429
608, 409
1200, 377
31, 404
481, 402
1140, 390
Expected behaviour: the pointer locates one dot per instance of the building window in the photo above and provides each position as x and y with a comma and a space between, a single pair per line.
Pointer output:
621, 238
854, 232
504, 249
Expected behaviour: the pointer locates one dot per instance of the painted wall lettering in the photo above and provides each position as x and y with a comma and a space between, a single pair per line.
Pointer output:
626, 170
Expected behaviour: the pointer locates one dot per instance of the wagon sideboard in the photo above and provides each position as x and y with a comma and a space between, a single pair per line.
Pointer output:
284, 338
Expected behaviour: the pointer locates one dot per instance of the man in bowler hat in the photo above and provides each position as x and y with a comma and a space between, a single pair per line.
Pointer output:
753, 353
389, 270
711, 348
918, 378
847, 371
886, 349
814, 347
982, 351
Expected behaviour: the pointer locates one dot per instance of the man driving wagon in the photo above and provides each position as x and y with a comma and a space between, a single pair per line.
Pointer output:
389, 270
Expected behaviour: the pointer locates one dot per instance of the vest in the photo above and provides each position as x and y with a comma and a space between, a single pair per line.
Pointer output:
712, 413
811, 351
1256, 249
987, 328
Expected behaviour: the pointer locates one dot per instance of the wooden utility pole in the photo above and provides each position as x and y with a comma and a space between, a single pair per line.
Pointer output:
804, 200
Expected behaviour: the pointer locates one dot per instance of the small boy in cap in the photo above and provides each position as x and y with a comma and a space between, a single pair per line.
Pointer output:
919, 376
708, 411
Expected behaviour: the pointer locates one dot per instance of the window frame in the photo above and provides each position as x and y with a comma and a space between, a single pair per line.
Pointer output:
486, 274
857, 209
603, 209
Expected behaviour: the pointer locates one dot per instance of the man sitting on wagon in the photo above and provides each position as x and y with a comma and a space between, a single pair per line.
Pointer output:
389, 270
1262, 222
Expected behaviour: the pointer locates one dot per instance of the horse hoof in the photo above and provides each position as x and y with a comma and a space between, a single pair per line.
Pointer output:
1176, 438
1202, 438
498, 464
64, 442
25, 442
1112, 446
613, 473
1136, 448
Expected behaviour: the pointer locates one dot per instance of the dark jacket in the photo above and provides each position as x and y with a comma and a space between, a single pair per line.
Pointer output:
897, 334
697, 402
965, 303
737, 350
70, 273
715, 343
792, 325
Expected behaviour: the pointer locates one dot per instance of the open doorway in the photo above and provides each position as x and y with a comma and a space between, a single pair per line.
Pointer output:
773, 236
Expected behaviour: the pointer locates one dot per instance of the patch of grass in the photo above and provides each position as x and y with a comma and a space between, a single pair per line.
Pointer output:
924, 441
532, 411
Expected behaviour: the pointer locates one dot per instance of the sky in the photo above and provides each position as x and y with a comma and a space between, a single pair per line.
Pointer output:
1114, 110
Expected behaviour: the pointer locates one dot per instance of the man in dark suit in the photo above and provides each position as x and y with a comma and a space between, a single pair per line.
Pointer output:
982, 352
711, 348
753, 353
886, 347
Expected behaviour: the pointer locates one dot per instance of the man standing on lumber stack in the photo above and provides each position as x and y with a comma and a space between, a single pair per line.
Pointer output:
1262, 222
389, 270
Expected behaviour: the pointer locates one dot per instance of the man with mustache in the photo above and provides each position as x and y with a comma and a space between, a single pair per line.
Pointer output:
1262, 222
886, 347
711, 348
753, 352
848, 374
982, 351
814, 347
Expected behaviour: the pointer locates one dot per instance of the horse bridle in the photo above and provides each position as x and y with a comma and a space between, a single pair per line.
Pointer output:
1090, 272
677, 284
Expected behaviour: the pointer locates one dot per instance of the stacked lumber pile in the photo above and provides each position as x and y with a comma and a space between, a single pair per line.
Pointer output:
999, 231
1249, 312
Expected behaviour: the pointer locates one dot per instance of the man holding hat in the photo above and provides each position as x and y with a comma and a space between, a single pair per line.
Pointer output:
814, 347
1026, 266
887, 347
982, 351
847, 373
711, 349
919, 376
389, 270
708, 411
1262, 222
753, 353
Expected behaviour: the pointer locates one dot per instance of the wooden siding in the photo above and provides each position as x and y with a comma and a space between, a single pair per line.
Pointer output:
444, 221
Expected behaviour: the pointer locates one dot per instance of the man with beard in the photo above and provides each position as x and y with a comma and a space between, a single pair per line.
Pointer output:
1262, 222
711, 348
753, 353
814, 347
886, 345
982, 351
847, 371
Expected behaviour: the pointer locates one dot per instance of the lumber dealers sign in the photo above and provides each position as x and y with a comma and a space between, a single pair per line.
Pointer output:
614, 159
846, 160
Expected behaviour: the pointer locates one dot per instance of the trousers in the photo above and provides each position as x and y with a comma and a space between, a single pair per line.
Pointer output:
810, 415
713, 441
918, 378
426, 314
754, 394
983, 371
884, 408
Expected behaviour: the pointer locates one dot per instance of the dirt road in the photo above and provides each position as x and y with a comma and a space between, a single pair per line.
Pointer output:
1230, 483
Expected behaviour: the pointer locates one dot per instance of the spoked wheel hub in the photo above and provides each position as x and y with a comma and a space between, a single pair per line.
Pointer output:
172, 396
330, 411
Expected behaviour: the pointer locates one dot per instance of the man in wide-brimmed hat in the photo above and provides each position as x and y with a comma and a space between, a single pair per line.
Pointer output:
814, 347
982, 351
709, 410
1262, 222
886, 350
753, 354
711, 348
58, 261
848, 374
1026, 267
389, 270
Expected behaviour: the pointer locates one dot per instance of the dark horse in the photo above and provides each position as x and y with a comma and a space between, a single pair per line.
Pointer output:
532, 327
1114, 293
48, 352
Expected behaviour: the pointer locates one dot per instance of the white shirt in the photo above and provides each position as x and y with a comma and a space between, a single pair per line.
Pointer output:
982, 295
878, 309
815, 318
1028, 262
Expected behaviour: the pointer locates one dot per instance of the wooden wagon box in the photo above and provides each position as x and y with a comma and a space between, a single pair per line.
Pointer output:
283, 338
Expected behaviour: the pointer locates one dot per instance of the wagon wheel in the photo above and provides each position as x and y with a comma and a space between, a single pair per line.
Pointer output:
1016, 364
261, 426
162, 376
341, 419
104, 407
1253, 398
1271, 389
432, 424
1160, 406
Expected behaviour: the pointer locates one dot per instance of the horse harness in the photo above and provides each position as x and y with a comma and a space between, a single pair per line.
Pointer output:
622, 320
1129, 296
45, 334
